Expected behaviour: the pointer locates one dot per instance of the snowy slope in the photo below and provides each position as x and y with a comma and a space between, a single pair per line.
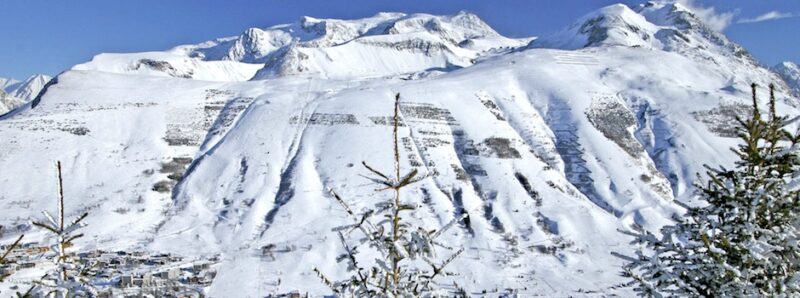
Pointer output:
14, 93
28, 89
386, 44
550, 149
655, 25
790, 72
7, 82
8, 102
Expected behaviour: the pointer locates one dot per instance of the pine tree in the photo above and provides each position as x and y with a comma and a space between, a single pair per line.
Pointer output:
399, 244
68, 279
744, 240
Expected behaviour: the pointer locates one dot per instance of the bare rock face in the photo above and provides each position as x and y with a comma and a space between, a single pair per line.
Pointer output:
163, 66
616, 122
722, 120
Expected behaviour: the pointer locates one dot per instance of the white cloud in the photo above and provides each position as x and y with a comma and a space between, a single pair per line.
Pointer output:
772, 15
709, 15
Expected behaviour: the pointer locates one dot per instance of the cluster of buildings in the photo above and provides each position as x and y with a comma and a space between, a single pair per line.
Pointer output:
160, 275
25, 255
122, 273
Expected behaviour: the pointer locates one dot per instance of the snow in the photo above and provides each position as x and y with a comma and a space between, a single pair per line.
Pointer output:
8, 102
7, 82
387, 44
790, 72
15, 93
612, 25
170, 65
29, 89
265, 151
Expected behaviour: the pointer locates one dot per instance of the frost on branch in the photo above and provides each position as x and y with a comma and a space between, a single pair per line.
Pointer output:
744, 241
69, 278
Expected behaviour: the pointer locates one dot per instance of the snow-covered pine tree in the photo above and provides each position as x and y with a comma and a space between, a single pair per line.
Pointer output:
405, 267
68, 279
743, 242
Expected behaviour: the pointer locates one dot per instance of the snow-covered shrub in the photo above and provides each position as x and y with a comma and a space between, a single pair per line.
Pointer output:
744, 241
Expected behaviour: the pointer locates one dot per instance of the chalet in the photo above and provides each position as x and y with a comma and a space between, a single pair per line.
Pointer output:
36, 250
30, 245
125, 281
143, 281
158, 260
170, 274
116, 261
197, 267
8, 269
138, 253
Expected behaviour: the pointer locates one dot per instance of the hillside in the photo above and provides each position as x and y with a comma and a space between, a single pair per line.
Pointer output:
551, 145
790, 72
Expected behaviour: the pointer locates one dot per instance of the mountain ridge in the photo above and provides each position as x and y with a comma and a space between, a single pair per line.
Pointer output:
790, 72
320, 46
14, 93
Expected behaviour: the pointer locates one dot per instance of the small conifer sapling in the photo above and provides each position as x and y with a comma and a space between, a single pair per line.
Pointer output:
397, 241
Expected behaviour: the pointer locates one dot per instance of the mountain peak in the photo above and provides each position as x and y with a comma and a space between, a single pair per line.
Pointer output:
788, 65
14, 93
385, 44
255, 45
28, 89
9, 88
7, 82
616, 25
669, 14
663, 25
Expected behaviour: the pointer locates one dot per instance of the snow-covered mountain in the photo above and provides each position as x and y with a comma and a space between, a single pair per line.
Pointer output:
790, 72
387, 44
15, 93
551, 145
8, 102
28, 89
7, 82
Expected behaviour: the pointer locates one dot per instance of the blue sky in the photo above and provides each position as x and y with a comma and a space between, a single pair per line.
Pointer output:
48, 36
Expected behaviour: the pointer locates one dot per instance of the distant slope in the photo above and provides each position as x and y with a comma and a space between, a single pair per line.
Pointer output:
28, 89
15, 93
8, 102
386, 44
790, 72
